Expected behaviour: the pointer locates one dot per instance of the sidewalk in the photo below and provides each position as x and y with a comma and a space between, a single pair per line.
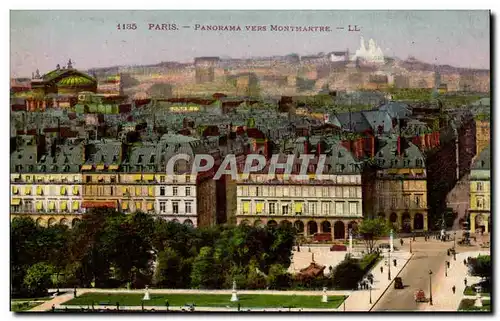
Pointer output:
359, 300
443, 298
197, 309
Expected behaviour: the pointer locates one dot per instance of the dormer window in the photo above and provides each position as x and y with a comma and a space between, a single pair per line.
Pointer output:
115, 158
66, 160
153, 158
419, 162
139, 159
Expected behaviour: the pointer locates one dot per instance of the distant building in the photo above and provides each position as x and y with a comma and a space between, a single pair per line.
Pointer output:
480, 193
205, 69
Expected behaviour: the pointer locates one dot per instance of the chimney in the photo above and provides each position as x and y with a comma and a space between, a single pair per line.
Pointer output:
399, 145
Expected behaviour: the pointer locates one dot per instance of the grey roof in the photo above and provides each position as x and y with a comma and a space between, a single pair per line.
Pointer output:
483, 161
396, 109
105, 152
354, 122
411, 156
378, 118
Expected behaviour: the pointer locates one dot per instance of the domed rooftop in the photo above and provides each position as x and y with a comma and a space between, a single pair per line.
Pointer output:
75, 81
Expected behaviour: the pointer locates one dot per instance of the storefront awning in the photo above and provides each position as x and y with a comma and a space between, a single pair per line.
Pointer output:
150, 206
15, 201
150, 191
75, 190
63, 190
138, 206
52, 205
114, 167
124, 205
94, 204
64, 205
39, 190
149, 177
75, 205
27, 190
259, 207
100, 167
137, 177
15, 190
39, 206
138, 190
86, 167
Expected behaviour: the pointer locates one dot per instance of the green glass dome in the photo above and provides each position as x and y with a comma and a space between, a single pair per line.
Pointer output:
75, 81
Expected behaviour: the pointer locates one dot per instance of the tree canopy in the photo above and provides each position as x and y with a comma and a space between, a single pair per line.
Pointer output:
372, 229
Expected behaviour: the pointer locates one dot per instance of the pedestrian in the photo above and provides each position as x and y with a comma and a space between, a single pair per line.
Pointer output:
453, 289
239, 306
381, 269
465, 262
448, 263
402, 242
74, 293
465, 281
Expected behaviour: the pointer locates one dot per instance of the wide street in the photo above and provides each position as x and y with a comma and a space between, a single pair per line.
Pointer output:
430, 255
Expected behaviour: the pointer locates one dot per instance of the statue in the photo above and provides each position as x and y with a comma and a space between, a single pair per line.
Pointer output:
234, 296
146, 294
324, 299
478, 302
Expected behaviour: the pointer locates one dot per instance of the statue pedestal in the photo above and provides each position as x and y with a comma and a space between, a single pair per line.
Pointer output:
479, 302
146, 297
324, 299
234, 297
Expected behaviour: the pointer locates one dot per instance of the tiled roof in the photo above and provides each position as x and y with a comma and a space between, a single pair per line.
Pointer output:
410, 157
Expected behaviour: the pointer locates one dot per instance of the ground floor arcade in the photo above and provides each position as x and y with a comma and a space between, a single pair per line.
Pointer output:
406, 221
338, 227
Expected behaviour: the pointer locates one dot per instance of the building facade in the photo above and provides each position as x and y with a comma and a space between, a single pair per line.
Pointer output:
480, 193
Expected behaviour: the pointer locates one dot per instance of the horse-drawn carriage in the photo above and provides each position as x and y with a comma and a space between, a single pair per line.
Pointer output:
420, 296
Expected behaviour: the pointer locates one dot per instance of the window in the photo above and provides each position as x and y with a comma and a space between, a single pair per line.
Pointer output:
418, 200
188, 207
174, 191
394, 202
88, 179
284, 209
163, 207
272, 191
188, 179
162, 190
257, 191
162, 179
324, 192
406, 198
272, 208
480, 202
352, 192
338, 191
188, 191
339, 208
174, 179
175, 207
381, 202
479, 186
353, 208
285, 191
312, 208
298, 191
324, 206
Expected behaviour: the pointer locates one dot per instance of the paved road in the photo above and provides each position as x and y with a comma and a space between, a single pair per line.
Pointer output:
430, 255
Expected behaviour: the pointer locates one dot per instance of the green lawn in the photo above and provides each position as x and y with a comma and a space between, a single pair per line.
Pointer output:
472, 291
23, 306
468, 305
210, 300
45, 298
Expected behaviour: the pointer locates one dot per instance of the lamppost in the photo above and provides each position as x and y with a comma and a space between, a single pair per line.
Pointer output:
410, 247
454, 244
445, 268
430, 287
370, 287
389, 265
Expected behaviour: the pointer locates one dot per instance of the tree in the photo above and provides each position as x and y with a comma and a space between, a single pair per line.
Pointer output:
206, 273
481, 266
347, 274
24, 251
370, 230
278, 277
38, 278
169, 271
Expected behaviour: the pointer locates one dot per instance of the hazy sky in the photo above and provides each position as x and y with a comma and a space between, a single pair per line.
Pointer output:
42, 39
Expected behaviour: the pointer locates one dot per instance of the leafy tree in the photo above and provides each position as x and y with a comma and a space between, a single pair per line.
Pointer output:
169, 271
278, 277
347, 274
23, 250
206, 272
38, 278
481, 266
370, 230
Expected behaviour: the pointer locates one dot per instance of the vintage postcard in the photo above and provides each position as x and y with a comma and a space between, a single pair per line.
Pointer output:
250, 161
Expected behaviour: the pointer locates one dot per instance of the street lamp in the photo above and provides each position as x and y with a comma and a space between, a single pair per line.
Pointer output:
446, 268
430, 287
410, 247
454, 239
370, 287
389, 265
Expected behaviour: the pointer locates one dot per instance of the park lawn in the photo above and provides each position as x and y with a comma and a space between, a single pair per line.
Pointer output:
468, 305
209, 300
471, 291
23, 306
45, 298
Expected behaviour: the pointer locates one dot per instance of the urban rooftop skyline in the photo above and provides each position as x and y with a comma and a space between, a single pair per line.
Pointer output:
43, 39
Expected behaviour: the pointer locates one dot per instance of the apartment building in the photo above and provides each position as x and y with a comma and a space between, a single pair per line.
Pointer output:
401, 186
329, 203
480, 193
48, 190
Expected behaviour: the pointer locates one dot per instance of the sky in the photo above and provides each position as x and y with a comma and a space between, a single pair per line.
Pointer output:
43, 39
